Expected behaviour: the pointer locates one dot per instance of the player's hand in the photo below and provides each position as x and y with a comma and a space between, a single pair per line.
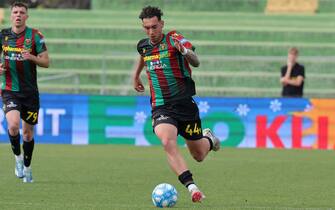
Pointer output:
27, 56
289, 64
178, 45
284, 81
2, 69
138, 85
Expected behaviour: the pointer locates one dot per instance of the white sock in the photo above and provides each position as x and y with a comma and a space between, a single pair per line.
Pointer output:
19, 157
26, 168
192, 187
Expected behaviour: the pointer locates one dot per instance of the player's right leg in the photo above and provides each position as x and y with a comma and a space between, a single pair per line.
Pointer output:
167, 132
13, 122
11, 108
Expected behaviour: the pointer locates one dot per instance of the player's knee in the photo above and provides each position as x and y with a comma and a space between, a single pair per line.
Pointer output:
13, 128
198, 156
27, 135
168, 143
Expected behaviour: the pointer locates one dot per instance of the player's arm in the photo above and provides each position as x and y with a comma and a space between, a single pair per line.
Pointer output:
191, 57
299, 79
41, 59
286, 77
296, 81
283, 78
2, 69
189, 54
138, 85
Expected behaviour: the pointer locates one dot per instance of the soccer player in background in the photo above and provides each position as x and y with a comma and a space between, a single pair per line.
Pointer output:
23, 49
292, 75
167, 58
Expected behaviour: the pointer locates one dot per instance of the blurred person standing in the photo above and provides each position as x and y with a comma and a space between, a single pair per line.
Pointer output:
292, 75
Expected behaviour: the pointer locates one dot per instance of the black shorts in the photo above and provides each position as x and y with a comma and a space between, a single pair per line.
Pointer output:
184, 114
27, 104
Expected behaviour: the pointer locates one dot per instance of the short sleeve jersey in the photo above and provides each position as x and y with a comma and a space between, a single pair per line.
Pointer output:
20, 75
169, 73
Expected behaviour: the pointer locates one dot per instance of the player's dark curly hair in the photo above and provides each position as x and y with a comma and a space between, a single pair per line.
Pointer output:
149, 12
19, 4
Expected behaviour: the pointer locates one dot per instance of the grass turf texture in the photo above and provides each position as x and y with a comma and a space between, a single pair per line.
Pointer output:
123, 177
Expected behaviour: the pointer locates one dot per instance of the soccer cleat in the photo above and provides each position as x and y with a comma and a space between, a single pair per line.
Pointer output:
197, 196
28, 176
19, 168
216, 142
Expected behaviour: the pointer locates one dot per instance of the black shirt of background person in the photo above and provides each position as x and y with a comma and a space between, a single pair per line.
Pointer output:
290, 90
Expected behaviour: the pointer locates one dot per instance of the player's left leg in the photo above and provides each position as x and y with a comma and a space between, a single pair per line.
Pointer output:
200, 148
199, 145
29, 116
28, 148
198, 142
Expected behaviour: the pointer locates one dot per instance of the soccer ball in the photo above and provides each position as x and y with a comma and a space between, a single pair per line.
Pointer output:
164, 195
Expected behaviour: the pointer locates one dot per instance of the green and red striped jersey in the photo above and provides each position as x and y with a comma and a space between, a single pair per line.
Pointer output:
168, 72
20, 75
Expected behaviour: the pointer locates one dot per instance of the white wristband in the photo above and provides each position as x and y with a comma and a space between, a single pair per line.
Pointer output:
185, 51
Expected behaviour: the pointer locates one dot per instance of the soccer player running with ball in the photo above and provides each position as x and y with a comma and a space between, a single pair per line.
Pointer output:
23, 48
167, 58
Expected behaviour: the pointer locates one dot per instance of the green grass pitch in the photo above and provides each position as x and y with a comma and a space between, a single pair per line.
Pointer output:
123, 177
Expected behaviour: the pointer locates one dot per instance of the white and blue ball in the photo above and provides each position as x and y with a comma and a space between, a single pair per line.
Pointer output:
164, 195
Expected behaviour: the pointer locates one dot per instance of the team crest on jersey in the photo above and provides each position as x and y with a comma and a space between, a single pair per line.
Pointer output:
28, 41
162, 46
